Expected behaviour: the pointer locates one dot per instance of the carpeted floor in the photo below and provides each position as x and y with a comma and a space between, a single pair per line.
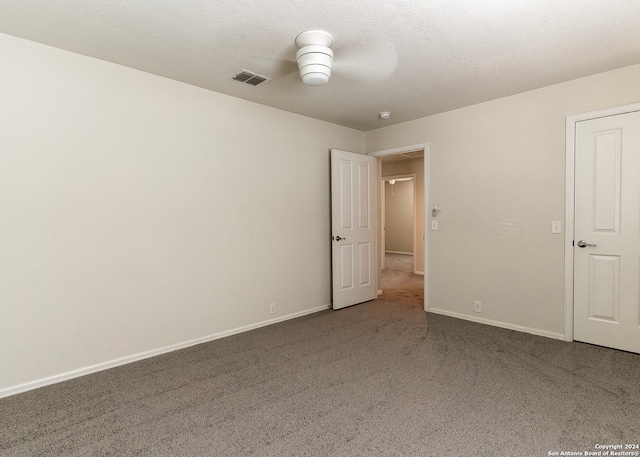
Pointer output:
383, 378
398, 282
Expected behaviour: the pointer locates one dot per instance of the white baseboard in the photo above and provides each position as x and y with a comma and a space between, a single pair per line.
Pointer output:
398, 252
480, 320
7, 392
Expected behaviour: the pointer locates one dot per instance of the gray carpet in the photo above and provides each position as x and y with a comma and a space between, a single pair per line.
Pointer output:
379, 379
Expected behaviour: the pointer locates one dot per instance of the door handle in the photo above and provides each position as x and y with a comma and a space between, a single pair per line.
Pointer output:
584, 244
337, 238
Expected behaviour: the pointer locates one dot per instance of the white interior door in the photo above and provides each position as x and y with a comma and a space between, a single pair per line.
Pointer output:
607, 232
353, 219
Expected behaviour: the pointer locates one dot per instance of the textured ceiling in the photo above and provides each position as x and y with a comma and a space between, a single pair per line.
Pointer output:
451, 53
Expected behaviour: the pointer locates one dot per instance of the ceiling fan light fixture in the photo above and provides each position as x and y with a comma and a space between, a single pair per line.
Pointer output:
315, 78
314, 57
315, 63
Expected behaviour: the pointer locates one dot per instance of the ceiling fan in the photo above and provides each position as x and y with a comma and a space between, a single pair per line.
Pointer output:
316, 59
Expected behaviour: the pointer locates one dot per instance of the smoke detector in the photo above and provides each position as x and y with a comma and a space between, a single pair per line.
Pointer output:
384, 115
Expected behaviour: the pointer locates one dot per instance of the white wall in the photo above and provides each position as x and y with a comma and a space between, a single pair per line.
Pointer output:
398, 212
124, 229
498, 171
412, 166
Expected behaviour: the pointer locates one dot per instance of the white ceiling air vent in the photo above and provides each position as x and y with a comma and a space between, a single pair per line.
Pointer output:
250, 78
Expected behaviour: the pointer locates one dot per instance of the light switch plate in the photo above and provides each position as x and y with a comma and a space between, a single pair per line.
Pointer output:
434, 225
556, 227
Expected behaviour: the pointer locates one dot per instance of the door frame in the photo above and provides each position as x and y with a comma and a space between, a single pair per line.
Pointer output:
405, 149
569, 224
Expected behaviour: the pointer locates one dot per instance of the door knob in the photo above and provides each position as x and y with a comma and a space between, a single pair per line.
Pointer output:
584, 244
338, 238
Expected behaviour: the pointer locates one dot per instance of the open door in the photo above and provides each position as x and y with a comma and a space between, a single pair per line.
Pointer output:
353, 219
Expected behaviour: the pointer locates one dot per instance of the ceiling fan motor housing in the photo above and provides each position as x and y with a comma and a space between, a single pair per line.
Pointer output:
315, 56
315, 63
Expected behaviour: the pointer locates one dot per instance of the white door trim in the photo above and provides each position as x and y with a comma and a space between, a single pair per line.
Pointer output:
570, 205
411, 148
401, 150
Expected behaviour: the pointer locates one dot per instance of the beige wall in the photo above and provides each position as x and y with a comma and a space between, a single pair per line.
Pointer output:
140, 214
398, 226
125, 233
413, 166
498, 171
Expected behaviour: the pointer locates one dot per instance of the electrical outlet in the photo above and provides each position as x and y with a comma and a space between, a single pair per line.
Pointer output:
273, 308
477, 306
434, 224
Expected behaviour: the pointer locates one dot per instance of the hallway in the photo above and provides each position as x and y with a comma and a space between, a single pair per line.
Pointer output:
398, 281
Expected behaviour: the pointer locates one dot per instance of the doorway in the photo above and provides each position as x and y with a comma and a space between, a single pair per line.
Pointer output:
399, 284
421, 202
399, 219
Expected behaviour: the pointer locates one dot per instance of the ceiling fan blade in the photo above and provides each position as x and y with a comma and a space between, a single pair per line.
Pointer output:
374, 63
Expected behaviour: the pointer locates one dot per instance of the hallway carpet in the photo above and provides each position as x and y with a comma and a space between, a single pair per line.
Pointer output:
382, 378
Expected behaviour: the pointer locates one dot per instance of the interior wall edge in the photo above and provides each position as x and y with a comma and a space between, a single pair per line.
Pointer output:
505, 325
66, 376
